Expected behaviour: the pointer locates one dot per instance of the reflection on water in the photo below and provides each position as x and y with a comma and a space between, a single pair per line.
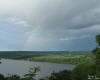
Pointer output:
22, 67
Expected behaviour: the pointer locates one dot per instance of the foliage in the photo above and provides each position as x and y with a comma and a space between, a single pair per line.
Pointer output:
32, 73
96, 51
64, 57
82, 71
13, 77
98, 39
2, 77
62, 75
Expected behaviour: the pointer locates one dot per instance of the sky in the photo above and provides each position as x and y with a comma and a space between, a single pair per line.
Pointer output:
49, 25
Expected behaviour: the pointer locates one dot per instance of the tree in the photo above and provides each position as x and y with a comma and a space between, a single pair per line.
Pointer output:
62, 75
96, 51
82, 71
13, 77
98, 39
31, 74
2, 77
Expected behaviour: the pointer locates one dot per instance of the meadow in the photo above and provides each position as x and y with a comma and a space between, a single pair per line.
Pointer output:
63, 57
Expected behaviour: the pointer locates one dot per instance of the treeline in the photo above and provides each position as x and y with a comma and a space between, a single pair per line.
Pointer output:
64, 57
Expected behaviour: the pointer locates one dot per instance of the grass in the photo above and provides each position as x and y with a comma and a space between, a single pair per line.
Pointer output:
64, 57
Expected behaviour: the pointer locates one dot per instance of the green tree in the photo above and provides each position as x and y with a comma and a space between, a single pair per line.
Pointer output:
98, 39
2, 77
82, 71
62, 75
96, 51
12, 77
31, 74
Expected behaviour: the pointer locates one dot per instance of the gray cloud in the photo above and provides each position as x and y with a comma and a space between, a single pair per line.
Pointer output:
62, 14
75, 38
53, 19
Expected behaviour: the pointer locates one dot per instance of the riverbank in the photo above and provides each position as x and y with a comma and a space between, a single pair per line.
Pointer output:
54, 57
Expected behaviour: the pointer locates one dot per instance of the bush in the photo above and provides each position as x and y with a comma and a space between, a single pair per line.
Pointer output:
2, 77
82, 71
13, 77
62, 75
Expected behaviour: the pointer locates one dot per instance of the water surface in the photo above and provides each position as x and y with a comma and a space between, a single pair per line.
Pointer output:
21, 67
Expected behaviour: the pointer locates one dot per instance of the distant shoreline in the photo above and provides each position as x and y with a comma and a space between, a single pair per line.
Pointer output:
75, 57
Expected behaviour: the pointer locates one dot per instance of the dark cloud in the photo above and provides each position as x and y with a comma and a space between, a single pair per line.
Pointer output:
53, 19
61, 14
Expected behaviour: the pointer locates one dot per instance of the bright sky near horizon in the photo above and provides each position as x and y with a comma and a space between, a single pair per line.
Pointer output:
49, 25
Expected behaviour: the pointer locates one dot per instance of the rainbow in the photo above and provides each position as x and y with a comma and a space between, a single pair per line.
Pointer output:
28, 39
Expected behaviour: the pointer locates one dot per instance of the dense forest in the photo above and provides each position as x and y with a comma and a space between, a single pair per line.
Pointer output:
83, 71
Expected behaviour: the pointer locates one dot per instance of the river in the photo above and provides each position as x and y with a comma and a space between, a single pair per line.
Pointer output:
21, 67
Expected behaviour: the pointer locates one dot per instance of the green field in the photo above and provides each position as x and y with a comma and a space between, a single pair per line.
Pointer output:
64, 57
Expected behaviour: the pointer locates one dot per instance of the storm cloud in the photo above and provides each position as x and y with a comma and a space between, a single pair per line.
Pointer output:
53, 20
52, 13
